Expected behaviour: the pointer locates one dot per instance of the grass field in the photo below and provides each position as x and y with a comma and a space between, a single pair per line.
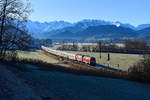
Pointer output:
124, 60
36, 55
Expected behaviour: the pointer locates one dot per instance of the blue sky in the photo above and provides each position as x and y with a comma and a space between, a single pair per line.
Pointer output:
134, 12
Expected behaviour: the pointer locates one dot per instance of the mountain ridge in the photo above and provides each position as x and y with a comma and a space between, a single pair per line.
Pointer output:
62, 28
102, 31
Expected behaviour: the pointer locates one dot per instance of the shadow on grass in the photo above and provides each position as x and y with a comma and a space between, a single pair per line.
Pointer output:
78, 70
109, 68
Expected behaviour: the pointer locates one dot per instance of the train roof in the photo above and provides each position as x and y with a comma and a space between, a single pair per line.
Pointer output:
62, 52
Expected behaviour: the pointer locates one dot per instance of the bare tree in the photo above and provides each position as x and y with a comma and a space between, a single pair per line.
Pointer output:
136, 45
75, 46
13, 33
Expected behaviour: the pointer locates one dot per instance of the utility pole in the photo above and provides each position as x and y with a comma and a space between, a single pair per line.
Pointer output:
108, 59
100, 48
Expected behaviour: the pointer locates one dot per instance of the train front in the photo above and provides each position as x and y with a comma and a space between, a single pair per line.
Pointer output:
93, 61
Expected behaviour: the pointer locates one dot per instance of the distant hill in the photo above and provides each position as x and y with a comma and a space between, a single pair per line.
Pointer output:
144, 34
44, 30
87, 29
105, 32
142, 26
97, 32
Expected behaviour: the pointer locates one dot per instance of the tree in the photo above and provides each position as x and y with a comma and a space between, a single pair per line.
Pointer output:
141, 70
135, 45
13, 33
75, 47
143, 45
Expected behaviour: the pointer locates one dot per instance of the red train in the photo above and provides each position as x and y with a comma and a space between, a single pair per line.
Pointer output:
74, 57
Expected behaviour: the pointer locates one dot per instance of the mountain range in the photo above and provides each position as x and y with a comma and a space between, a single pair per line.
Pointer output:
87, 29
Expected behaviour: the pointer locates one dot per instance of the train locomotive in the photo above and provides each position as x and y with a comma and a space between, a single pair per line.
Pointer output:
74, 57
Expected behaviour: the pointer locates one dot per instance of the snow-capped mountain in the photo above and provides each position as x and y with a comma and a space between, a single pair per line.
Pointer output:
38, 27
46, 29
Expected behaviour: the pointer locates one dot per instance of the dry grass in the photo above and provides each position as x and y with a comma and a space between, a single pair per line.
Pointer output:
51, 64
73, 68
37, 56
41, 59
124, 60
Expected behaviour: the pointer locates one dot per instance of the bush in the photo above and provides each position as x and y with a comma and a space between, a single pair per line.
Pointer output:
9, 56
141, 70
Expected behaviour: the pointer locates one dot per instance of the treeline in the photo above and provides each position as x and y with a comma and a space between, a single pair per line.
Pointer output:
129, 46
134, 45
73, 47
37, 43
